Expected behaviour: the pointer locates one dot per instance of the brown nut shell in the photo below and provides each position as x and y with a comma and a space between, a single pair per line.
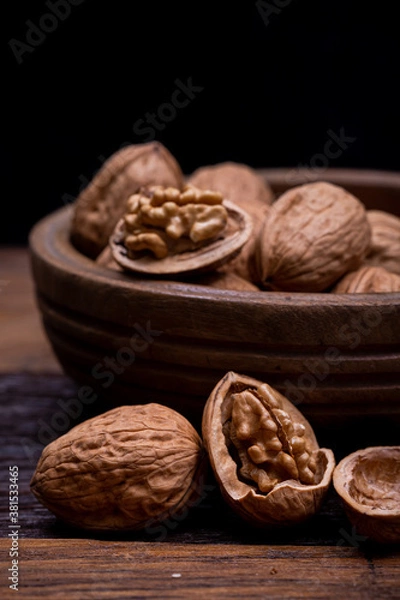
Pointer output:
368, 280
102, 203
207, 257
264, 453
243, 186
368, 482
385, 243
313, 235
123, 470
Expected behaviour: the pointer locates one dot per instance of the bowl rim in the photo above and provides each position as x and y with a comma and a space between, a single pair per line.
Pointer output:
46, 234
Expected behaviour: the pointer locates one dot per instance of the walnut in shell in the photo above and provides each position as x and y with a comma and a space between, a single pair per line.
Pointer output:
124, 469
385, 244
367, 280
368, 482
243, 186
313, 235
264, 453
102, 203
168, 231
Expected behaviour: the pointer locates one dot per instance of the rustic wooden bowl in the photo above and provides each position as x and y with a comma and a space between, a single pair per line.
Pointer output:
335, 356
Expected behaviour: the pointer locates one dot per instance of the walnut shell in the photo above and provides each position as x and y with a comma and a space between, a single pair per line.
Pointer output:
124, 469
101, 204
368, 482
243, 186
168, 253
312, 236
385, 244
264, 453
366, 280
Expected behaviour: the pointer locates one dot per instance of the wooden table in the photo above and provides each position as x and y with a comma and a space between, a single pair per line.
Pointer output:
211, 553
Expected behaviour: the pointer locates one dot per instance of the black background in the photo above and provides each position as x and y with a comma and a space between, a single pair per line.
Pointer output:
271, 90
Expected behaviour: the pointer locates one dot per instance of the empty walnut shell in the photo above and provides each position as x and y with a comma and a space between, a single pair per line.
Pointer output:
385, 243
102, 203
368, 482
367, 280
206, 256
126, 469
312, 236
243, 186
264, 453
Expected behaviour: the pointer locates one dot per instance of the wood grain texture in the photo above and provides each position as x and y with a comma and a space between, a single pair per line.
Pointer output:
77, 569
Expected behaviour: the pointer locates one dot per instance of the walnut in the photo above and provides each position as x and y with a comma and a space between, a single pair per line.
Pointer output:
385, 245
102, 203
264, 453
313, 234
243, 186
368, 482
167, 230
368, 280
124, 469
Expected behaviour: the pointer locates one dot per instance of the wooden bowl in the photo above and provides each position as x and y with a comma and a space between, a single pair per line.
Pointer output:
135, 339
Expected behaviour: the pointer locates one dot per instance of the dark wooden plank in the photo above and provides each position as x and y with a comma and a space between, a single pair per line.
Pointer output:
81, 569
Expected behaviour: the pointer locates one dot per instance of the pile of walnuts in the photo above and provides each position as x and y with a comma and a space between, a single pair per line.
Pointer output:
140, 211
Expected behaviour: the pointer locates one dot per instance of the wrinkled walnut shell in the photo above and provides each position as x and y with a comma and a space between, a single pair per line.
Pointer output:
247, 424
368, 280
368, 482
312, 236
243, 186
126, 469
385, 243
207, 257
102, 203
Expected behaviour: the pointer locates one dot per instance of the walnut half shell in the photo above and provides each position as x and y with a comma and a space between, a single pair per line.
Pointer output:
264, 453
368, 482
169, 231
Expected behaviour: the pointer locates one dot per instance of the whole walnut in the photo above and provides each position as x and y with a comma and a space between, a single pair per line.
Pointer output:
243, 186
385, 243
101, 204
125, 469
313, 235
366, 280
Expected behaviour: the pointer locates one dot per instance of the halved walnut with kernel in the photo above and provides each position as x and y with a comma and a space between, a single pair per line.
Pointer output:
264, 453
166, 230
